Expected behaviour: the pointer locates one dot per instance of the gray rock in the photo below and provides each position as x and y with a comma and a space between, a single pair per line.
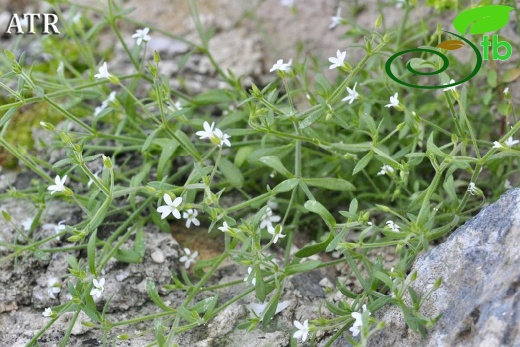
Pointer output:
479, 298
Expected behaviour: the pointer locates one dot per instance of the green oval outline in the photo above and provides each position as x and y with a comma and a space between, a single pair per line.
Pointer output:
478, 65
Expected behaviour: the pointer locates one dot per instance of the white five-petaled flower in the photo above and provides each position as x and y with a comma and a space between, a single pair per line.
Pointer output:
287, 3
393, 226
53, 287
359, 321
339, 60
303, 330
224, 228
268, 218
99, 287
47, 312
510, 142
276, 232
216, 135
59, 186
472, 189
188, 257
253, 280
170, 207
111, 98
352, 94
141, 35
103, 71
394, 101
191, 217
450, 88
335, 20
281, 66
385, 169
506, 91
56, 227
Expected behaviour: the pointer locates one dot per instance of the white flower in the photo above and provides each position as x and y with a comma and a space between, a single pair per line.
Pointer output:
497, 144
352, 94
208, 131
170, 207
398, 4
98, 287
472, 189
222, 138
257, 309
253, 280
103, 71
90, 181
287, 3
224, 228
394, 101
276, 232
216, 135
76, 18
141, 35
394, 227
59, 186
450, 88
385, 169
268, 218
53, 287
280, 66
47, 312
506, 91
339, 60
507, 185
359, 321
510, 142
303, 330
176, 106
188, 257
335, 20
27, 224
191, 217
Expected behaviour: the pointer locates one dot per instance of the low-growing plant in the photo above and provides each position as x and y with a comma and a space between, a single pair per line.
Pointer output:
357, 163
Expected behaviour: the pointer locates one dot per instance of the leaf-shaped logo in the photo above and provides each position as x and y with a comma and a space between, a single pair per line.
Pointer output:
483, 19
451, 45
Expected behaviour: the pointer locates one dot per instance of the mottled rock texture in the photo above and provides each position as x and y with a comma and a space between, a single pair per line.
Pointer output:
480, 294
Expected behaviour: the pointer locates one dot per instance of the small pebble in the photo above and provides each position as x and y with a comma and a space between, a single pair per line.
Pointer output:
158, 256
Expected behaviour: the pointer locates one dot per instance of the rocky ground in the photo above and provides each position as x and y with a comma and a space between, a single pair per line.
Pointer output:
479, 298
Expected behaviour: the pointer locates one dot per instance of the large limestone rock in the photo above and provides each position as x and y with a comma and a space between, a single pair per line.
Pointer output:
480, 295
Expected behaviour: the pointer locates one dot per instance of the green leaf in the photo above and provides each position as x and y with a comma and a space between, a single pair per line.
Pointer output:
309, 250
286, 185
510, 75
302, 267
128, 256
91, 252
259, 284
276, 164
213, 96
8, 115
140, 242
270, 310
319, 209
168, 148
231, 173
154, 296
159, 332
330, 183
242, 154
483, 19
363, 162
189, 316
